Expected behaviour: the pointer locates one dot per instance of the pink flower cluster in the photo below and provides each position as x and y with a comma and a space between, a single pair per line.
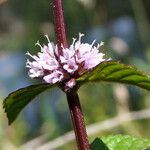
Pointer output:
74, 61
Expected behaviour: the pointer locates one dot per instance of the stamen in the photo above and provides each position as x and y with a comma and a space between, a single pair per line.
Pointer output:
101, 43
47, 38
98, 46
74, 39
56, 52
93, 42
38, 43
80, 35
32, 56
62, 46
28, 64
27, 53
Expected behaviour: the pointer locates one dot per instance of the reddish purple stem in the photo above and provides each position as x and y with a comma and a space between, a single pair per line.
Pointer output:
78, 121
72, 96
59, 25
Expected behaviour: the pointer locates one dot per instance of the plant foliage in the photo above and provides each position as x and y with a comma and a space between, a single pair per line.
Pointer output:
109, 71
112, 71
17, 100
120, 142
126, 142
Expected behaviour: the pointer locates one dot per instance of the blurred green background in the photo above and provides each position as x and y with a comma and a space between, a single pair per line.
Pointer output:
124, 27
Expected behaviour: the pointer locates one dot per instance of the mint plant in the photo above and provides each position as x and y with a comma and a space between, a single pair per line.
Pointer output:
69, 67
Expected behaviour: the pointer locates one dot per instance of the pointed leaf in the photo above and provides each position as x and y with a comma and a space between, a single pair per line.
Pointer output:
112, 71
98, 144
17, 100
126, 142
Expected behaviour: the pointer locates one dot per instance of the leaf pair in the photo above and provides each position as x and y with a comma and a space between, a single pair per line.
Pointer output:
109, 71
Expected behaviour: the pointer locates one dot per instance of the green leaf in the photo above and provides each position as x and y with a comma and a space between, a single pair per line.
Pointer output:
112, 71
126, 142
17, 100
98, 144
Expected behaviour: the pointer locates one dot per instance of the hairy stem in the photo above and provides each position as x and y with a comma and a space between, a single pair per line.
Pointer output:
59, 25
78, 120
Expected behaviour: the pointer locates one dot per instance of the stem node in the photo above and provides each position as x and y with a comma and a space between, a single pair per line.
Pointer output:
72, 96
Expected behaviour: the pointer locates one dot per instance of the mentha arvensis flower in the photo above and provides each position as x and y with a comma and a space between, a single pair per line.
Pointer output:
74, 61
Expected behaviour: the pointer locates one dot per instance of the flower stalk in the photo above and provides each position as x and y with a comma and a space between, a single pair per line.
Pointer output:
72, 96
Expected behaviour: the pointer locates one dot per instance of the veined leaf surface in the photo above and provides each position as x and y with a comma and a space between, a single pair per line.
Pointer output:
17, 100
126, 142
112, 71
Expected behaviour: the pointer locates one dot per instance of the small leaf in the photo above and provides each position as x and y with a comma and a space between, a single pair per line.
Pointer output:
98, 144
126, 142
112, 71
17, 100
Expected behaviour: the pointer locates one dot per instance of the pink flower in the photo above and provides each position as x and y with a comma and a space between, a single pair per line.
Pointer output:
74, 61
